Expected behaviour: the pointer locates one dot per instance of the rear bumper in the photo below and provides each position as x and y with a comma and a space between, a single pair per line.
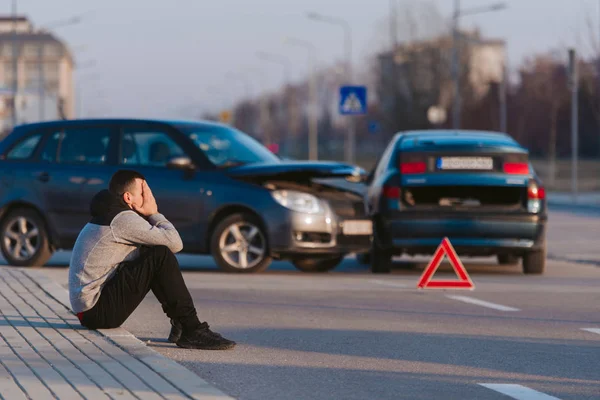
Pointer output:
471, 235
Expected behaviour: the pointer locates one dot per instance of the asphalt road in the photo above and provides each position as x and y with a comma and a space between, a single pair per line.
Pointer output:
354, 335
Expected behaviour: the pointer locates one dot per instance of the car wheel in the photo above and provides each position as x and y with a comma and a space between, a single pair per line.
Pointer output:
364, 258
381, 261
534, 263
507, 259
381, 258
239, 244
25, 240
318, 264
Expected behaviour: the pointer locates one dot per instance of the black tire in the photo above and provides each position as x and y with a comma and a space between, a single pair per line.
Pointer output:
40, 243
507, 259
364, 258
381, 258
318, 264
534, 263
224, 260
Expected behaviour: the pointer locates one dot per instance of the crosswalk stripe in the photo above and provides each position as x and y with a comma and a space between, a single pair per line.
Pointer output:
592, 330
482, 303
518, 392
392, 284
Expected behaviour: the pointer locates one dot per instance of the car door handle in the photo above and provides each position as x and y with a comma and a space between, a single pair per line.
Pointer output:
43, 177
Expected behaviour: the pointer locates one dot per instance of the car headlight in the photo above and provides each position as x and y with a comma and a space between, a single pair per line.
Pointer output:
298, 201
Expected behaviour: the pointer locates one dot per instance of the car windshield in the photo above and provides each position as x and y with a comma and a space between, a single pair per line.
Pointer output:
227, 147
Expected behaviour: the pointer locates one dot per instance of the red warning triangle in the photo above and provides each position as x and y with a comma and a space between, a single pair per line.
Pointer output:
464, 281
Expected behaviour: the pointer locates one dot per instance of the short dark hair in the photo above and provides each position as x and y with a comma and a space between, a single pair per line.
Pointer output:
123, 181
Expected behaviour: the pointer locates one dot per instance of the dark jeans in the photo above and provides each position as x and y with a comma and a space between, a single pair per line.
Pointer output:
156, 269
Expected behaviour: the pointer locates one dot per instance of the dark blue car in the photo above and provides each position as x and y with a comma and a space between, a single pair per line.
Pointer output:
476, 188
226, 193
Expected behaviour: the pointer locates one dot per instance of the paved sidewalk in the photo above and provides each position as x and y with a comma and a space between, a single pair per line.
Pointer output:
46, 354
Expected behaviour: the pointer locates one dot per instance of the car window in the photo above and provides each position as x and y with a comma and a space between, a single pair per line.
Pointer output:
227, 147
148, 148
24, 149
77, 146
385, 159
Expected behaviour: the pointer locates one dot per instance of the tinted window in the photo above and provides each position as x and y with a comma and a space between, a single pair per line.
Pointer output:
385, 158
148, 149
24, 149
226, 147
77, 146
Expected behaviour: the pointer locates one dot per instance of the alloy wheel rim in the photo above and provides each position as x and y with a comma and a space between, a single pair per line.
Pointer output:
21, 238
242, 245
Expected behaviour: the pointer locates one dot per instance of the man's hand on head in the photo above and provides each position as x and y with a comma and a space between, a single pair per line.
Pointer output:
149, 206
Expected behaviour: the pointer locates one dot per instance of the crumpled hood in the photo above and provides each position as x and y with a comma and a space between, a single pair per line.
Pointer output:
105, 206
297, 171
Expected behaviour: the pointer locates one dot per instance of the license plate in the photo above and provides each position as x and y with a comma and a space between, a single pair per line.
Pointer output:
468, 163
357, 228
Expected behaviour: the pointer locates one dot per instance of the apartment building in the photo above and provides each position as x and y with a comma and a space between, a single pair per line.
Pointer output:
41, 59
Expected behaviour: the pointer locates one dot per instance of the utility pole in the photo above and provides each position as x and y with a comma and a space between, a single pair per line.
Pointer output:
456, 42
456, 66
313, 122
15, 63
351, 142
573, 80
394, 45
345, 25
287, 74
502, 94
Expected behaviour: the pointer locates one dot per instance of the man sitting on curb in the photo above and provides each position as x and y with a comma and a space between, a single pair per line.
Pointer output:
126, 250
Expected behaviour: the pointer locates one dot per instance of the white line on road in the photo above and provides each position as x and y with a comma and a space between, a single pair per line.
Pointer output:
518, 392
593, 330
482, 303
385, 283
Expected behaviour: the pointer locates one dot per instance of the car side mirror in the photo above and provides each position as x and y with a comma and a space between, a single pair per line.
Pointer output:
180, 163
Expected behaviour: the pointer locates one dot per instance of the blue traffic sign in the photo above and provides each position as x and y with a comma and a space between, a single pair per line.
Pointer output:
353, 100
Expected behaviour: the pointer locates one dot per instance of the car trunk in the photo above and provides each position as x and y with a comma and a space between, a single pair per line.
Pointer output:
465, 197
466, 177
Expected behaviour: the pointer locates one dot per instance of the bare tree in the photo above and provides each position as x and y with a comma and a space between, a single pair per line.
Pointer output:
588, 36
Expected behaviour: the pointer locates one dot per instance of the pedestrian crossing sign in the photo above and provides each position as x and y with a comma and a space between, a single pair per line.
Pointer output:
353, 100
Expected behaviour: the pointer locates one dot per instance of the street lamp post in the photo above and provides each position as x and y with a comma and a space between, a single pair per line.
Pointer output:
287, 68
264, 116
456, 52
345, 25
41, 77
313, 134
79, 94
15, 63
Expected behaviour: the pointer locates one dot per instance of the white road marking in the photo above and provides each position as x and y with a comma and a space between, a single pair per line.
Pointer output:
482, 303
518, 392
593, 330
386, 283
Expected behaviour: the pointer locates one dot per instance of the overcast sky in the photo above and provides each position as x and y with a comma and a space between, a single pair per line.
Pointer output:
169, 58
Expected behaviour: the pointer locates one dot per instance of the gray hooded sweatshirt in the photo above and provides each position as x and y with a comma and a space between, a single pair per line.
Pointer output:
114, 235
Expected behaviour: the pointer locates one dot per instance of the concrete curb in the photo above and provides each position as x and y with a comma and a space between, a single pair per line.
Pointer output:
187, 381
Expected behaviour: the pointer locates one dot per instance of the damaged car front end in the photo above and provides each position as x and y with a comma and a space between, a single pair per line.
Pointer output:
316, 213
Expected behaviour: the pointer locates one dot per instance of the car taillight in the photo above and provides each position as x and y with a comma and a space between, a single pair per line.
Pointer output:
391, 192
535, 192
516, 168
535, 195
413, 167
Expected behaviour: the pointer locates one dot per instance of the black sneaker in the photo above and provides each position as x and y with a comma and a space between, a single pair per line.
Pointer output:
176, 330
203, 338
